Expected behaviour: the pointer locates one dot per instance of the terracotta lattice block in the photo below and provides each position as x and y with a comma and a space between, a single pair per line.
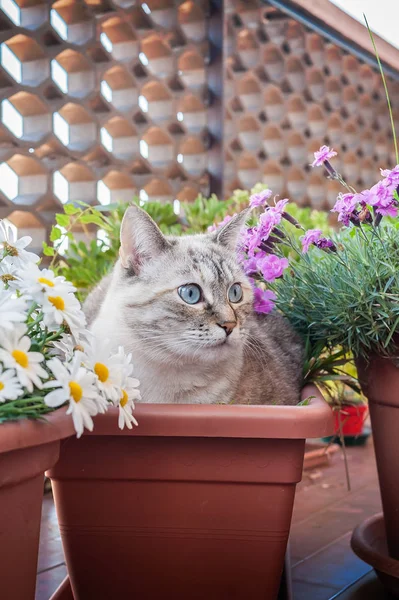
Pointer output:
26, 116
29, 14
23, 179
73, 73
25, 60
74, 182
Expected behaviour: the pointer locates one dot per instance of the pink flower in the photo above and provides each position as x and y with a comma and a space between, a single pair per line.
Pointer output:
280, 206
263, 300
251, 265
260, 199
268, 220
311, 237
314, 236
391, 176
382, 199
216, 226
251, 239
272, 267
345, 205
321, 155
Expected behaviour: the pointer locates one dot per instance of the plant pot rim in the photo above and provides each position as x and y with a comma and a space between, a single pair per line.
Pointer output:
24, 433
362, 544
225, 421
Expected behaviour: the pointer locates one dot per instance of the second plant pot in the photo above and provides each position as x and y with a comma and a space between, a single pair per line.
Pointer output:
196, 502
27, 449
379, 378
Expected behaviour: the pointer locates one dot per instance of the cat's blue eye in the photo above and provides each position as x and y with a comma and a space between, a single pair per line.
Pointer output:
235, 293
190, 293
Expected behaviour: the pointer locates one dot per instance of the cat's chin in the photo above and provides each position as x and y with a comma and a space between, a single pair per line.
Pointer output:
215, 351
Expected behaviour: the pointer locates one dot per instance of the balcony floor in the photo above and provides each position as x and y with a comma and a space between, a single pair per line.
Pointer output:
325, 512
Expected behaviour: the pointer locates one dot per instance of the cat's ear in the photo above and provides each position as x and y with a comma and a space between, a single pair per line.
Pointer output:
228, 234
141, 239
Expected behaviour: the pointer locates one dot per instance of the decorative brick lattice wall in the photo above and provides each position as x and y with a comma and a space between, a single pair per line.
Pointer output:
288, 91
102, 99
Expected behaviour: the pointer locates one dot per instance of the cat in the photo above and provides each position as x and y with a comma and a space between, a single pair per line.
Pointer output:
184, 308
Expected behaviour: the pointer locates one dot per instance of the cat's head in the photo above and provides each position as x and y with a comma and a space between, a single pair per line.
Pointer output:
182, 298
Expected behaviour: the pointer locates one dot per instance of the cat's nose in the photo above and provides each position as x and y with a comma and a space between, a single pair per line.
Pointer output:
228, 326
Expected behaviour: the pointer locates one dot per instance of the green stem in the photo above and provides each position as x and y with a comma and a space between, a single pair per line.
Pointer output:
32, 308
56, 335
36, 321
342, 439
385, 88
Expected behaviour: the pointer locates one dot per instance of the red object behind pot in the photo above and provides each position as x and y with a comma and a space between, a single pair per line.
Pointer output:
352, 419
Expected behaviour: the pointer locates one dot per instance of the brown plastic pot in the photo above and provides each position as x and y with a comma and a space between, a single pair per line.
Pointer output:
196, 502
27, 449
379, 379
369, 543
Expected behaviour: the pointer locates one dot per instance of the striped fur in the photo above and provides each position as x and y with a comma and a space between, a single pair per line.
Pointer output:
180, 352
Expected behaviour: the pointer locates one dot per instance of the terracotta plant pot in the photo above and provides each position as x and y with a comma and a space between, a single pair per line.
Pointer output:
370, 544
195, 502
27, 449
379, 379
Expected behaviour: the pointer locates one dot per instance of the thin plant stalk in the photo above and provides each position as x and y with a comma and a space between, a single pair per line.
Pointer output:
342, 439
385, 88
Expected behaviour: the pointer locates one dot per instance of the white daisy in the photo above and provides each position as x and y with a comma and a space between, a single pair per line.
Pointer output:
37, 283
14, 248
12, 309
9, 275
129, 393
10, 387
15, 355
62, 307
109, 368
75, 385
64, 348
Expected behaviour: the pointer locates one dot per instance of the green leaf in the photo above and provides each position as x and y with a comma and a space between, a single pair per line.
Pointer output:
106, 207
306, 401
62, 220
55, 234
48, 250
94, 219
71, 209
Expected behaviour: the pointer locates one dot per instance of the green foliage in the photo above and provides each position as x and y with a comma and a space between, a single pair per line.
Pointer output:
84, 264
203, 212
349, 298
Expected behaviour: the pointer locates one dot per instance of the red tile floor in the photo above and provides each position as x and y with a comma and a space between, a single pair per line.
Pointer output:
325, 512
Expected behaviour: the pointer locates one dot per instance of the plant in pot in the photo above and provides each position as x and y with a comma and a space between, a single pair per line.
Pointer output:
41, 369
195, 503
343, 292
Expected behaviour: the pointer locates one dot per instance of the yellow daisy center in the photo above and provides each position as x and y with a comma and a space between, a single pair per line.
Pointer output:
1, 386
7, 277
45, 281
124, 398
21, 358
101, 371
76, 391
57, 301
11, 250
